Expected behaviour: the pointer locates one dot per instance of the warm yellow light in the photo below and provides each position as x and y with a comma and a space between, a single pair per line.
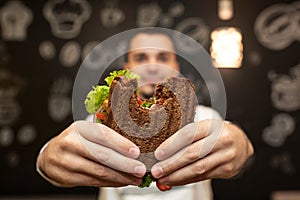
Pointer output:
227, 47
225, 9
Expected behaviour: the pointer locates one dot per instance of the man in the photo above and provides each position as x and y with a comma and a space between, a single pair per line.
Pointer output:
88, 154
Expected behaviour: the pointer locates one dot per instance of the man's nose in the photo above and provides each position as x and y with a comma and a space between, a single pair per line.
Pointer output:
152, 68
152, 65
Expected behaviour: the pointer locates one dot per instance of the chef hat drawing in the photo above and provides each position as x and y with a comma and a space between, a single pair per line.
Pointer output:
66, 17
15, 17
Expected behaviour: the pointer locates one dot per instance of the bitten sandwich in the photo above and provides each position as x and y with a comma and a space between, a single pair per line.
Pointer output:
146, 122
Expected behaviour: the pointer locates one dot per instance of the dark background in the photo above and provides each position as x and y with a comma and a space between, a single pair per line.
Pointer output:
248, 94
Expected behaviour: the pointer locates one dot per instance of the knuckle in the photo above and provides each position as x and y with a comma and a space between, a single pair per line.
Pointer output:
226, 133
200, 168
95, 183
231, 154
65, 143
102, 172
228, 169
226, 138
64, 146
192, 153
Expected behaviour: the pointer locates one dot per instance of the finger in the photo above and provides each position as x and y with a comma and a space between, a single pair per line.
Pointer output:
220, 171
187, 135
71, 179
103, 135
196, 170
102, 174
113, 159
185, 156
67, 179
67, 160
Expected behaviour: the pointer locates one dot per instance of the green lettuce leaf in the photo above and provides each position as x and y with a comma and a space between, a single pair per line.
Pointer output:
98, 94
147, 180
124, 72
95, 98
146, 104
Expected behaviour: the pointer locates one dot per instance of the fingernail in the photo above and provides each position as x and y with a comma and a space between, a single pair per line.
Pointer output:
139, 170
156, 171
134, 152
159, 154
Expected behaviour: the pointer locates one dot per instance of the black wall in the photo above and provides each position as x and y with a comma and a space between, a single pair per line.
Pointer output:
276, 166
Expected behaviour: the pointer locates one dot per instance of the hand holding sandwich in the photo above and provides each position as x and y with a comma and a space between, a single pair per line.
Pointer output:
81, 154
203, 150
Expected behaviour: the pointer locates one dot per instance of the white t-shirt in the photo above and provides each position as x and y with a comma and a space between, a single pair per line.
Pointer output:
201, 190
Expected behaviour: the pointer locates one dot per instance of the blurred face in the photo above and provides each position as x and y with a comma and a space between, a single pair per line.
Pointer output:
153, 57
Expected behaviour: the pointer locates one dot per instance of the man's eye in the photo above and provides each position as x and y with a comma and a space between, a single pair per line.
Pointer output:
163, 57
140, 58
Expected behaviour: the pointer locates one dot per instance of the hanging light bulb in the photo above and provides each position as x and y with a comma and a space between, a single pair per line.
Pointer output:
225, 9
227, 47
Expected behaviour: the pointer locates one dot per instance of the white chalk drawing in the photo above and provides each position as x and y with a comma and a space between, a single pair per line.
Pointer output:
111, 15
88, 47
59, 103
196, 29
277, 26
13, 159
47, 50
26, 134
66, 17
176, 9
282, 125
166, 21
285, 93
151, 14
98, 58
6, 136
10, 86
70, 54
15, 18
296, 6
283, 163
148, 14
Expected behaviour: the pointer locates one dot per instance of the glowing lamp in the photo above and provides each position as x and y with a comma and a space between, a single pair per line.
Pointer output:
227, 47
225, 9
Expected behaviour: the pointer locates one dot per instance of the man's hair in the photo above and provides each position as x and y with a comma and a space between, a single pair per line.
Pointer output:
149, 31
